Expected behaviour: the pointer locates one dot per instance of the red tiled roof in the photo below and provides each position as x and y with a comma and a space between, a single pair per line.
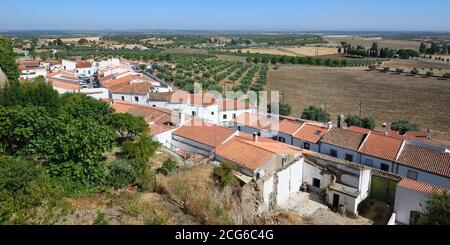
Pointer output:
158, 118
421, 187
381, 146
63, 85
250, 154
344, 138
204, 133
311, 133
289, 127
257, 121
230, 105
425, 159
84, 64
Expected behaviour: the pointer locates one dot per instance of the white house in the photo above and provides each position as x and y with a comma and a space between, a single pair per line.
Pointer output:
85, 68
309, 135
69, 65
342, 143
32, 70
286, 130
254, 123
345, 184
424, 163
410, 199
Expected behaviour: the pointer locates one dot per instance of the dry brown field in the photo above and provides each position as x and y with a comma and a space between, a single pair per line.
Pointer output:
367, 42
386, 97
293, 51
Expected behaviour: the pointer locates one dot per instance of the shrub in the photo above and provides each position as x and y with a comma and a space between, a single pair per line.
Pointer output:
386, 69
399, 70
404, 126
315, 114
414, 71
446, 76
429, 74
120, 175
100, 219
143, 149
168, 166
223, 174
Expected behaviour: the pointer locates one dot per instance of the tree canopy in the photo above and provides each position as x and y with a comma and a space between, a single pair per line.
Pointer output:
404, 126
366, 122
436, 211
7, 60
315, 114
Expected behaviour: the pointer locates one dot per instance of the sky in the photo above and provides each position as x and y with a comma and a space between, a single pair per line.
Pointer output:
238, 15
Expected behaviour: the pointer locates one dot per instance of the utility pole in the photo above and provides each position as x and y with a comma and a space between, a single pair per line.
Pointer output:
360, 109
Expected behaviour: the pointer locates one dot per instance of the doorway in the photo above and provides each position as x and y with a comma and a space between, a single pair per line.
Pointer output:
335, 201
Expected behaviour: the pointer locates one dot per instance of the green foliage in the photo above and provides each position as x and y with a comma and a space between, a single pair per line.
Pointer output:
127, 125
285, 109
404, 126
315, 114
83, 41
223, 174
37, 93
23, 186
120, 174
81, 106
414, 71
367, 122
168, 166
100, 219
143, 149
429, 74
7, 60
407, 53
436, 210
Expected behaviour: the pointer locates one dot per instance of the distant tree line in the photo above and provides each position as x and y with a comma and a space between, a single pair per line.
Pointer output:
376, 52
435, 48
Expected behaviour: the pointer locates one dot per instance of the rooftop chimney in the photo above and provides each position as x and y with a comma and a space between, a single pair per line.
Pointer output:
255, 137
429, 134
340, 121
384, 127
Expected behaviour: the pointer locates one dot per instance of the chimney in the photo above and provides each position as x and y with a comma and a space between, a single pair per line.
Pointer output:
330, 124
384, 127
340, 121
255, 137
429, 134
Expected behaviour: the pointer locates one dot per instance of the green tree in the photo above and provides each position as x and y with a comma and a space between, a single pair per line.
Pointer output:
128, 126
37, 93
315, 114
368, 122
223, 174
352, 120
7, 60
414, 71
81, 106
404, 126
436, 210
168, 166
142, 149
120, 174
422, 48
374, 50
83, 41
285, 109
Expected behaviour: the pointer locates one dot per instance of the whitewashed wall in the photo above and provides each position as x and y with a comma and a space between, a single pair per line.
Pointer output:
299, 143
130, 98
341, 152
376, 162
425, 176
407, 200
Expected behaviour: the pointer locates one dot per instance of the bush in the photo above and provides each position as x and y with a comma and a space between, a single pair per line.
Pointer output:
414, 71
120, 175
429, 74
223, 174
143, 149
386, 69
446, 76
100, 219
315, 114
168, 166
404, 126
399, 70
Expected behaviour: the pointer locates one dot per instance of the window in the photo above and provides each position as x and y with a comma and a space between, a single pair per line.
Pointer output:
282, 139
193, 113
349, 157
89, 72
123, 97
234, 116
212, 113
284, 160
369, 162
239, 128
259, 134
306, 146
136, 98
225, 116
384, 167
413, 174
316, 182
333, 153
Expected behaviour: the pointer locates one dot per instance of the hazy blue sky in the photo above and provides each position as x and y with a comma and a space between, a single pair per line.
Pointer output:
227, 14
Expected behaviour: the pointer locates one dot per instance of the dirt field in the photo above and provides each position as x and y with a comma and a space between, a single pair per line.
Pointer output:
367, 42
294, 51
423, 66
386, 97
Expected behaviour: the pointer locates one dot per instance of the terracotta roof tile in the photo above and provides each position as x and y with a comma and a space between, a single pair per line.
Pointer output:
204, 133
250, 154
425, 159
83, 64
381, 146
289, 127
257, 121
344, 138
311, 133
421, 187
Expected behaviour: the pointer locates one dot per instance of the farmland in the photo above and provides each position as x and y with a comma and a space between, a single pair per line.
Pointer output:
293, 51
367, 42
386, 97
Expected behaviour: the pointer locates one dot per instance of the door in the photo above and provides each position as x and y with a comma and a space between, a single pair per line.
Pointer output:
335, 201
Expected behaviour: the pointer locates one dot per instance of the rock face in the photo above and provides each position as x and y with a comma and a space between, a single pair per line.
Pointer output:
3, 79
